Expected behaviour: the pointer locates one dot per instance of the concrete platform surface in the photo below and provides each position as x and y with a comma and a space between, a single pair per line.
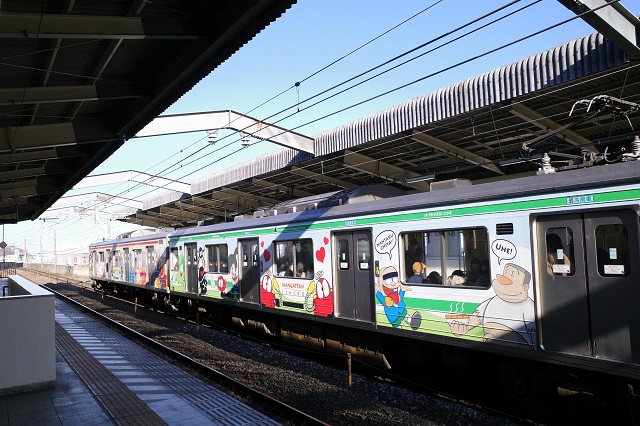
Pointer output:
102, 378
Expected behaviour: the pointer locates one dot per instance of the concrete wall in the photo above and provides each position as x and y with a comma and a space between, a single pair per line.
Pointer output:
27, 327
80, 271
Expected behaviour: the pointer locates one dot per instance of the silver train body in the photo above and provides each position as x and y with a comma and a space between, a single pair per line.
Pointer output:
543, 268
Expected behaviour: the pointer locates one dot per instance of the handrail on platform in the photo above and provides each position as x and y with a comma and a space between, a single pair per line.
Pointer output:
7, 268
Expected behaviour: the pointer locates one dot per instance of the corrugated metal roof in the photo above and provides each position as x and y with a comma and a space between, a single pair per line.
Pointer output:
256, 167
577, 58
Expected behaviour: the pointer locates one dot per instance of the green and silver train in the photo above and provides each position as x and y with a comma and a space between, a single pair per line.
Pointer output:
542, 269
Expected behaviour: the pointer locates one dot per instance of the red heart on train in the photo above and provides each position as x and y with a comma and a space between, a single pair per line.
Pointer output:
267, 255
320, 254
261, 243
326, 241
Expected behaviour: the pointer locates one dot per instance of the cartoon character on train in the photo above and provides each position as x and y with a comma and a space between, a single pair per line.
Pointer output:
507, 317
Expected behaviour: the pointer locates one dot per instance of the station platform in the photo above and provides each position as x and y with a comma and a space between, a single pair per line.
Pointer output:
102, 379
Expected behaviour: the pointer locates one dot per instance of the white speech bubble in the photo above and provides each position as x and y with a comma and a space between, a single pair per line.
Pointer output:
504, 250
385, 242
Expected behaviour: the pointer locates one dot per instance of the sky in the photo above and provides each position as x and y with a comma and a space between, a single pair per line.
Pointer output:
319, 44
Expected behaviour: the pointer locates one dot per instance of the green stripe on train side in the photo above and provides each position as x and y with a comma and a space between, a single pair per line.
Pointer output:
588, 199
446, 306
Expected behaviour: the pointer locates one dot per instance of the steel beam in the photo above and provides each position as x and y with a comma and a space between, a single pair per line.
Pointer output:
550, 126
382, 170
53, 135
135, 176
322, 178
32, 25
614, 21
203, 121
452, 150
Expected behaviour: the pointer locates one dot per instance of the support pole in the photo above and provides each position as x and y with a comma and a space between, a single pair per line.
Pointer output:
349, 377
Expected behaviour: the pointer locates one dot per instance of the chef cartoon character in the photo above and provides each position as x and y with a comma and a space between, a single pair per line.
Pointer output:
390, 293
509, 315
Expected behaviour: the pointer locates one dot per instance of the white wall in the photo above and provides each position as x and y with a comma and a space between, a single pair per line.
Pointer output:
27, 327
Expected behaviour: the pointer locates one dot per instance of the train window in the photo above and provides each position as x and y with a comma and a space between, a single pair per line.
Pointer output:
559, 248
449, 257
284, 259
343, 254
255, 256
174, 259
294, 258
137, 258
612, 250
364, 254
218, 258
151, 258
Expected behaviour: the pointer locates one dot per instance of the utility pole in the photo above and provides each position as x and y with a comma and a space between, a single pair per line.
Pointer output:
55, 252
41, 222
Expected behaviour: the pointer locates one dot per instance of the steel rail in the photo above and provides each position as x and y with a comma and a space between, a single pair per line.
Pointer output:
210, 373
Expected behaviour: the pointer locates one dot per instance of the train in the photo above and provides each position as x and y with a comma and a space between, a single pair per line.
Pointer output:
540, 272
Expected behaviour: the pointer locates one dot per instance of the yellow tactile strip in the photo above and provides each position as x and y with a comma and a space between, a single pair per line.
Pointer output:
120, 403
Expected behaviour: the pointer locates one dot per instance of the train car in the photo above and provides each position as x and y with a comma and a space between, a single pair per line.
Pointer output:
131, 261
541, 269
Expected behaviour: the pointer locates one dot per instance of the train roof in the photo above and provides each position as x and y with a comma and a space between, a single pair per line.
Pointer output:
130, 238
577, 178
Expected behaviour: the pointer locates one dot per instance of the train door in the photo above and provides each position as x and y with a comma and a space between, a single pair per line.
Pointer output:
249, 270
192, 267
125, 263
354, 280
588, 270
150, 265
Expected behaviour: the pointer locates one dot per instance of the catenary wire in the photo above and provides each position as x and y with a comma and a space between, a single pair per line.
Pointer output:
386, 62
478, 56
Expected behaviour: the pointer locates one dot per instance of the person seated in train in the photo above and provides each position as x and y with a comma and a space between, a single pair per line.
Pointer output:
433, 278
484, 279
304, 255
473, 273
457, 277
418, 267
288, 272
302, 272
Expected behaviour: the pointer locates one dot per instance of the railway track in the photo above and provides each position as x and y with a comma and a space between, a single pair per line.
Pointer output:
283, 375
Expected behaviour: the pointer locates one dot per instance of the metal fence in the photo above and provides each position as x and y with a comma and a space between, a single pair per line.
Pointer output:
7, 268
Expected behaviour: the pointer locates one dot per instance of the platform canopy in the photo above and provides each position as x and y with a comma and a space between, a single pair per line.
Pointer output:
77, 79
577, 103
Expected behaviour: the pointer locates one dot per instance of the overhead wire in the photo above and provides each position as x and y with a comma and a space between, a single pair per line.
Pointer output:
387, 62
377, 67
443, 70
236, 151
453, 125
316, 73
303, 124
456, 122
168, 169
